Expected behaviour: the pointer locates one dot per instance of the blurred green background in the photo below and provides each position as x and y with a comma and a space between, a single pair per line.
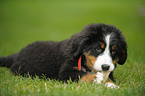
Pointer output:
25, 21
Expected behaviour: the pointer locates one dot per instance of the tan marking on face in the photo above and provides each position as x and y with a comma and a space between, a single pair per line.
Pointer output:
113, 47
102, 45
115, 61
90, 61
88, 78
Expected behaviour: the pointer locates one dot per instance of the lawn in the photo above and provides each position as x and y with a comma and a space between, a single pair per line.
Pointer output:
23, 22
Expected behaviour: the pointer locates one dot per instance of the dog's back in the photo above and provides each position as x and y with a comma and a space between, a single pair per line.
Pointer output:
39, 58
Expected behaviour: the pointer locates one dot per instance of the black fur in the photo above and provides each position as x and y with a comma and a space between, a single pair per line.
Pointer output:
57, 60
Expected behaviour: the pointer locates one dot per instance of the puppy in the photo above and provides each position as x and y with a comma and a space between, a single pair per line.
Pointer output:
88, 56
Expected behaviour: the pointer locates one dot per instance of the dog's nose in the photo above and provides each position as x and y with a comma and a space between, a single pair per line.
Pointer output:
105, 67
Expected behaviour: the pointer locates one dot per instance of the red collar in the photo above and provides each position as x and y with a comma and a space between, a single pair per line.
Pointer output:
79, 64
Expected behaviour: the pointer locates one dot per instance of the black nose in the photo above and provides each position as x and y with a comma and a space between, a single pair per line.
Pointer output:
105, 67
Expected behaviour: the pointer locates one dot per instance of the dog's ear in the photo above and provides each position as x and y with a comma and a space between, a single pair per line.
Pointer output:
122, 54
77, 43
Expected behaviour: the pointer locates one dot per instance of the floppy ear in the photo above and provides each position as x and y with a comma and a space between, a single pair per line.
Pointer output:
77, 43
122, 55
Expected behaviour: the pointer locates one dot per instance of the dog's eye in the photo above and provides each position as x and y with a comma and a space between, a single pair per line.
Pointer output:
98, 49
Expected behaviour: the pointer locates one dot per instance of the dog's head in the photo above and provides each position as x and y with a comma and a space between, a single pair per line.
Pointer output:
103, 46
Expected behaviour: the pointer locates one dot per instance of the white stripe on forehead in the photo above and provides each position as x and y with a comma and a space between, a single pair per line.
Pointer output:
107, 50
107, 39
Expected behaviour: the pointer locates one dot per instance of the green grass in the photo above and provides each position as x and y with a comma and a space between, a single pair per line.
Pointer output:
23, 22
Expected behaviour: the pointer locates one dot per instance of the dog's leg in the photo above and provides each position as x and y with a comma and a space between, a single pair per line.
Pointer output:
97, 78
110, 84
88, 78
109, 80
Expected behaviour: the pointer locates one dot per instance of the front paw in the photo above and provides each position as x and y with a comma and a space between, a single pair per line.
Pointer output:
99, 78
111, 85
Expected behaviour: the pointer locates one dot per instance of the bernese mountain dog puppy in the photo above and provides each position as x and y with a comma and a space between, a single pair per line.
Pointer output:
87, 56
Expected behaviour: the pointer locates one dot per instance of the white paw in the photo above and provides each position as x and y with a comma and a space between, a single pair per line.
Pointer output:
99, 78
111, 85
